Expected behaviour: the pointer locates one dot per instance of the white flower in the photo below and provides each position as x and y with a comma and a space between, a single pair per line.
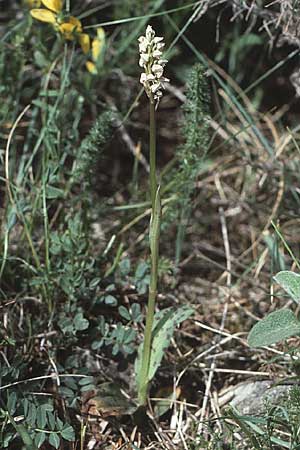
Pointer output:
150, 33
143, 78
143, 59
150, 77
150, 47
155, 87
158, 70
157, 54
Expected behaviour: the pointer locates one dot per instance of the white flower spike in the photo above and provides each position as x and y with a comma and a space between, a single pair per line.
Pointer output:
152, 78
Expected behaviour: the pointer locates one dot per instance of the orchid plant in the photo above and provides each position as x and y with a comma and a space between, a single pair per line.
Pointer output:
160, 326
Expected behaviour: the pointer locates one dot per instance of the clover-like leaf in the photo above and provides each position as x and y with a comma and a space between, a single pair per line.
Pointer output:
54, 440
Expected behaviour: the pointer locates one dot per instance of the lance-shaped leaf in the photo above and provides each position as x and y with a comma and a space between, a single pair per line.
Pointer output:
163, 328
163, 332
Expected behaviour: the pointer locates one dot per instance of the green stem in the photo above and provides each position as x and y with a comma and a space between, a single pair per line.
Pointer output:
154, 247
147, 342
152, 140
45, 212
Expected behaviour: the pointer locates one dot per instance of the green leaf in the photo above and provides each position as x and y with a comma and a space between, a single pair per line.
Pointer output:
136, 312
94, 283
59, 423
67, 433
141, 270
32, 412
41, 418
290, 282
51, 420
277, 326
163, 328
40, 439
86, 380
110, 300
87, 387
6, 439
124, 266
162, 335
53, 192
12, 402
54, 440
80, 322
66, 392
124, 312
40, 59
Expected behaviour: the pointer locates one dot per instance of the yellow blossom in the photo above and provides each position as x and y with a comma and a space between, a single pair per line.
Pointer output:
44, 15
53, 5
68, 29
98, 44
53, 14
91, 67
84, 41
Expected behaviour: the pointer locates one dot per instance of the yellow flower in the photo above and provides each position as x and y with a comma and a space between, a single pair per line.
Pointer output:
53, 5
84, 41
53, 14
49, 15
68, 29
98, 44
44, 15
91, 67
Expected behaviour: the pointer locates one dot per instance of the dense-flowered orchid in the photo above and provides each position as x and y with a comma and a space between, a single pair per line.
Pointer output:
68, 26
151, 61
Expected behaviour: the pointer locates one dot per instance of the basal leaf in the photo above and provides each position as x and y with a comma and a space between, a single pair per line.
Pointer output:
162, 335
162, 331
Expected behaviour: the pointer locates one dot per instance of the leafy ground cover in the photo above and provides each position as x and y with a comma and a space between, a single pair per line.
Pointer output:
75, 263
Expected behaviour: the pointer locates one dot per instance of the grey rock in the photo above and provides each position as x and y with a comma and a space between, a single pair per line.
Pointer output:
252, 397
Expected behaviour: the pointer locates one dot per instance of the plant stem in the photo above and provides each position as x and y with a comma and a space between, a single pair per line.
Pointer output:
154, 247
152, 141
